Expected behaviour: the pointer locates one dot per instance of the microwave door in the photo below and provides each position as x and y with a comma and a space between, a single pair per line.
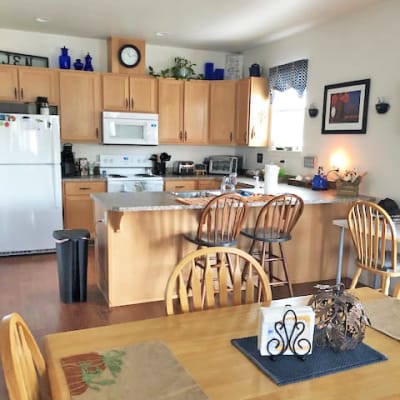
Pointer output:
126, 132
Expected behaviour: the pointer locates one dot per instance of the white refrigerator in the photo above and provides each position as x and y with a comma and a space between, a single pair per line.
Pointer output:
30, 183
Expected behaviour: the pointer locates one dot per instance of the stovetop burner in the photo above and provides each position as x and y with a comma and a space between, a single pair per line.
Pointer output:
146, 175
117, 176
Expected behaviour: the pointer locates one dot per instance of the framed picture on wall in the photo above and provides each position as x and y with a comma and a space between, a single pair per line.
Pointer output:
346, 107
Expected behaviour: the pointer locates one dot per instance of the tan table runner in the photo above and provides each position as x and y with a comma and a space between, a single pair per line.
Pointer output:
195, 201
145, 371
384, 315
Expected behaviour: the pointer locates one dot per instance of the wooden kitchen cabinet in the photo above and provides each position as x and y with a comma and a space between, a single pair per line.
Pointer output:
78, 206
25, 84
183, 111
180, 185
209, 184
80, 106
252, 111
222, 112
129, 93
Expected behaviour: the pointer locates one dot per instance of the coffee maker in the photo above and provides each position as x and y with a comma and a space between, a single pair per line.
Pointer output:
67, 161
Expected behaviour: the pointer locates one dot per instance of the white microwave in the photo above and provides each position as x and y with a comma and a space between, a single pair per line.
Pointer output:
130, 128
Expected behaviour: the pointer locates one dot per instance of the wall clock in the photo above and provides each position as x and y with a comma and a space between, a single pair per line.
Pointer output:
129, 55
126, 55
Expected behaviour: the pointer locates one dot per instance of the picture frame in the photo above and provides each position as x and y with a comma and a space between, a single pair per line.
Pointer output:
345, 107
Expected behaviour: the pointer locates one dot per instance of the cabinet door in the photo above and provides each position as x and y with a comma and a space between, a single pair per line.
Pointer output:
180, 185
170, 111
80, 106
78, 206
115, 92
209, 184
9, 90
143, 94
38, 82
242, 111
259, 112
222, 112
196, 100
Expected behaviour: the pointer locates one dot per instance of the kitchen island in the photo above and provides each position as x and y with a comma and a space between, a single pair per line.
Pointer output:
139, 240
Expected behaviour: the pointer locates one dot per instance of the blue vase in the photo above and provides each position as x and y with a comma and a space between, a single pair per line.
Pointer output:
78, 65
64, 59
88, 63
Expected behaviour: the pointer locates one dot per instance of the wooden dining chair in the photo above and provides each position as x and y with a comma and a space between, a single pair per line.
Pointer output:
220, 221
211, 287
374, 238
23, 364
273, 227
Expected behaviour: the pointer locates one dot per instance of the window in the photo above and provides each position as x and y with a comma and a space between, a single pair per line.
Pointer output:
288, 97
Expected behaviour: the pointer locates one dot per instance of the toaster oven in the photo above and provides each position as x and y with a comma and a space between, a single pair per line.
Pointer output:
224, 165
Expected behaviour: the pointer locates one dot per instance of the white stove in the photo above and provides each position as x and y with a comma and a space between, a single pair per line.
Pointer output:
129, 173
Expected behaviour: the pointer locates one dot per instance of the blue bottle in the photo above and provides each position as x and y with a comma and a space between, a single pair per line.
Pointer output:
64, 60
88, 63
78, 65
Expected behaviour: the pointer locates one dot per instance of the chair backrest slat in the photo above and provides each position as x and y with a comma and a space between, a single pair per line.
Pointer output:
216, 276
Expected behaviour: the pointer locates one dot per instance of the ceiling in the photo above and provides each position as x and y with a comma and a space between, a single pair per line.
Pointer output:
221, 25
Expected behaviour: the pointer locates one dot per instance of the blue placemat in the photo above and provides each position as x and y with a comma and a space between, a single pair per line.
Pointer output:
322, 361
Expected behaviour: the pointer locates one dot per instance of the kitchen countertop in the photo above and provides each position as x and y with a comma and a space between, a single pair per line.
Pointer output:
156, 201
92, 178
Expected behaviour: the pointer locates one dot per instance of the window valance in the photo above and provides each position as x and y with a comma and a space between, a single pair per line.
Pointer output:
291, 75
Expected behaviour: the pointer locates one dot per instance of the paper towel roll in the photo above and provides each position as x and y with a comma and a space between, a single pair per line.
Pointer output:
271, 179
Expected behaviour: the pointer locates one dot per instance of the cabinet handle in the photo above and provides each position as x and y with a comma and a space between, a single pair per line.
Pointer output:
230, 136
180, 135
15, 94
126, 103
185, 136
22, 93
132, 103
84, 188
97, 132
245, 137
179, 186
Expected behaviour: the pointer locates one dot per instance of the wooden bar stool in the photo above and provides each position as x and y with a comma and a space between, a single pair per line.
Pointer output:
220, 222
273, 227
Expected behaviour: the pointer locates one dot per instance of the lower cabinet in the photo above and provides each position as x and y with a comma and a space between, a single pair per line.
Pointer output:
78, 206
183, 185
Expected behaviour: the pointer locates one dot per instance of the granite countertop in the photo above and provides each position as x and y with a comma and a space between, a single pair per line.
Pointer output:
156, 201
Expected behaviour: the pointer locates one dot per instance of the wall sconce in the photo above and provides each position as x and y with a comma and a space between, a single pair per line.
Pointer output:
381, 106
313, 110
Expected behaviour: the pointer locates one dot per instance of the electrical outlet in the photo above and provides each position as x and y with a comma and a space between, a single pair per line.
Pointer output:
259, 157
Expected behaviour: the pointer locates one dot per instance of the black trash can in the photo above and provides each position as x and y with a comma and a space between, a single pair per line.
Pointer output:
72, 257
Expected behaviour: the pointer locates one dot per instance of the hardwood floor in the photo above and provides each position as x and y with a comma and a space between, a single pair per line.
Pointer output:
29, 286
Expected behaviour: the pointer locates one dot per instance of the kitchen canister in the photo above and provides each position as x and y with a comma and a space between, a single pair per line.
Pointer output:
271, 179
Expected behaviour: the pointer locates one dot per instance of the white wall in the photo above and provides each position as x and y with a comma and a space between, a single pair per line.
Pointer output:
358, 46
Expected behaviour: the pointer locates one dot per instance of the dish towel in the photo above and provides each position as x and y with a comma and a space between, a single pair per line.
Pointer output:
322, 361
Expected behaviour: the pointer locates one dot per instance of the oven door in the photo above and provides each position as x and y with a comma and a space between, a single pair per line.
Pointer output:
124, 185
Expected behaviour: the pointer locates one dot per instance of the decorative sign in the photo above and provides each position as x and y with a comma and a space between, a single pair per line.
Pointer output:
23, 60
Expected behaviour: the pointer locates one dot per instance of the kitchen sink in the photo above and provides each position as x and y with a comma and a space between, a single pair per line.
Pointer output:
197, 193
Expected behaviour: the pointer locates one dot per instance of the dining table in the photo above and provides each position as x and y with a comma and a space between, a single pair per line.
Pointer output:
200, 342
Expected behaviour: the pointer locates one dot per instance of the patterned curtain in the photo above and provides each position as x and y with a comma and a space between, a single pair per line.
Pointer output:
291, 75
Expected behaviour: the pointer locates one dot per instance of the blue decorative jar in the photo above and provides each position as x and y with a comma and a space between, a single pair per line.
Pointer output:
78, 65
64, 59
88, 63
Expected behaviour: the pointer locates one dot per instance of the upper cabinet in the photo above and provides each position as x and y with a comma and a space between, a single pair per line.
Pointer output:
80, 106
222, 112
252, 112
183, 111
25, 84
129, 93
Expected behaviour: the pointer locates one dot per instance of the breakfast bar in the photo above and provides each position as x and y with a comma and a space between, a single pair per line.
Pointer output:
139, 240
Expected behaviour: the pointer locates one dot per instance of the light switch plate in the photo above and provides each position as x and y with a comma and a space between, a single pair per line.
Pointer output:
310, 162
